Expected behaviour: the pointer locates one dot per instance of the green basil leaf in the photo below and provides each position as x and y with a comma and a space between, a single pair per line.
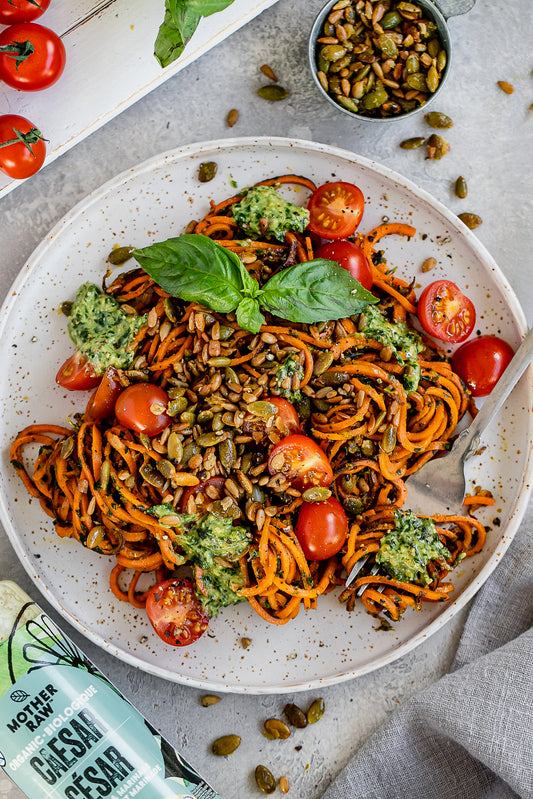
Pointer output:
249, 315
208, 7
197, 269
177, 28
314, 292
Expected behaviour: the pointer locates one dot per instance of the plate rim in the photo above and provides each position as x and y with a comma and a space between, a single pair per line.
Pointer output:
524, 490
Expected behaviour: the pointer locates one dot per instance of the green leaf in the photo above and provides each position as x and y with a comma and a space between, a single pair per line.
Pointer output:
208, 7
249, 315
176, 30
314, 292
196, 269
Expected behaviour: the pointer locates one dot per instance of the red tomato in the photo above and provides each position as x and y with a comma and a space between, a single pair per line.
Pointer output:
193, 491
445, 312
335, 210
481, 362
287, 420
102, 402
22, 147
77, 374
32, 57
142, 407
350, 257
175, 612
14, 11
321, 528
302, 461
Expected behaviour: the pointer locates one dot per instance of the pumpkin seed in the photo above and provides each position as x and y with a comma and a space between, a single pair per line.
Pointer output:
413, 143
152, 476
316, 494
232, 117
273, 93
295, 715
210, 699
388, 441
66, 307
461, 188
429, 264
284, 784
316, 711
265, 410
227, 453
437, 147
472, 221
207, 171
176, 406
96, 536
436, 119
275, 728
119, 255
390, 20
225, 745
265, 779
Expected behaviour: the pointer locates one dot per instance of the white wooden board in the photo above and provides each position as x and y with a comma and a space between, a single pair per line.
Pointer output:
110, 65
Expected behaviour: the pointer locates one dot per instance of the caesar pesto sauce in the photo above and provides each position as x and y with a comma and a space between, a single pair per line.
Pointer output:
100, 330
407, 549
214, 544
263, 212
404, 342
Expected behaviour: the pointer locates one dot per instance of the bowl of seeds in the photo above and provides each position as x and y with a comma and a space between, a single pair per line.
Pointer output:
379, 59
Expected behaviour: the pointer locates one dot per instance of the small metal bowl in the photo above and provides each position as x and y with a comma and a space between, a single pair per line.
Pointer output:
432, 13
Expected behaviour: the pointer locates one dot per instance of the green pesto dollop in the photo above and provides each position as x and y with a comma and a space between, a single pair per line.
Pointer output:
404, 342
264, 213
407, 549
100, 330
290, 366
214, 544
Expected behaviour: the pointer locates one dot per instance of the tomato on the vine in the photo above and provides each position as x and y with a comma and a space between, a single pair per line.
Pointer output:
286, 420
22, 147
32, 57
14, 11
335, 210
351, 257
301, 461
175, 612
481, 362
445, 312
77, 374
102, 402
321, 528
143, 407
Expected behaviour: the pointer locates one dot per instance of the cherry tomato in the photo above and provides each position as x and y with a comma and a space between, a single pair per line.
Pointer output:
14, 11
481, 362
77, 374
321, 528
32, 57
102, 402
287, 420
193, 491
175, 612
22, 147
445, 312
302, 461
335, 210
350, 257
142, 407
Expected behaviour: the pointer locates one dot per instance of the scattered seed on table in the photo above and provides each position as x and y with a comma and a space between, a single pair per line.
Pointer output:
225, 745
413, 143
210, 699
207, 171
429, 264
273, 93
461, 188
316, 711
506, 87
275, 728
269, 72
436, 119
265, 779
232, 118
472, 221
284, 784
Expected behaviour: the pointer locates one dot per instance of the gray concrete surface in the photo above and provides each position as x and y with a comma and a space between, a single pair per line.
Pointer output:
491, 144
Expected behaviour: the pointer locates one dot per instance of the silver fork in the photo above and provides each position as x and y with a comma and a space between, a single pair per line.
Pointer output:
203, 791
439, 486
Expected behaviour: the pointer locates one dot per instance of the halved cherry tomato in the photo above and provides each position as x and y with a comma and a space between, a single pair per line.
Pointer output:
32, 57
142, 407
302, 461
14, 11
481, 362
321, 528
22, 147
287, 420
175, 612
193, 491
77, 374
445, 312
350, 257
102, 402
335, 210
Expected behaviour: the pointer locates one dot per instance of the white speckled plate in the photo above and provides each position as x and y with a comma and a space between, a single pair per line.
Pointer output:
151, 202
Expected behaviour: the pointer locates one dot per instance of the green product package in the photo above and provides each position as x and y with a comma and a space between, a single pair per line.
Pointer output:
65, 731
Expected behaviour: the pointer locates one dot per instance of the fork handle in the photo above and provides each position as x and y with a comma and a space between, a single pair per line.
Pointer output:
468, 441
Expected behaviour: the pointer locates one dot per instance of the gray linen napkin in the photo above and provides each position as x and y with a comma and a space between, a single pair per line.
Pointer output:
470, 734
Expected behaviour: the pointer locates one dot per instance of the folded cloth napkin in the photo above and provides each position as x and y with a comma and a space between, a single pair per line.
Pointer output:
470, 734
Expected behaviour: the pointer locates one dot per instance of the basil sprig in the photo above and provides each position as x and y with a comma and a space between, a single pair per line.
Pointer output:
197, 269
180, 22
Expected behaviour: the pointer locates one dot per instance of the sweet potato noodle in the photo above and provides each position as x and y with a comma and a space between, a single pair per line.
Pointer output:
99, 480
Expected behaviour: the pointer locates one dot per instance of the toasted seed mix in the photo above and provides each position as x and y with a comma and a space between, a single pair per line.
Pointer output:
379, 61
